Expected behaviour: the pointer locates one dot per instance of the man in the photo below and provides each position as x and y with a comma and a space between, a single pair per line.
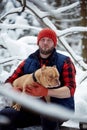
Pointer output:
64, 95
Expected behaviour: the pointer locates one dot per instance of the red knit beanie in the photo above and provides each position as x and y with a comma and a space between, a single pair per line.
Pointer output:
47, 32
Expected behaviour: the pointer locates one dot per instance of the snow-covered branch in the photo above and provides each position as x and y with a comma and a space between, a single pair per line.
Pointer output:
18, 26
12, 11
64, 32
56, 12
49, 10
50, 110
69, 7
10, 59
72, 30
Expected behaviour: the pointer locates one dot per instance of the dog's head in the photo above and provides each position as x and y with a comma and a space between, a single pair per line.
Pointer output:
49, 77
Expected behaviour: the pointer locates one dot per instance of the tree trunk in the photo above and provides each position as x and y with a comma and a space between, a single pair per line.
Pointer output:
84, 23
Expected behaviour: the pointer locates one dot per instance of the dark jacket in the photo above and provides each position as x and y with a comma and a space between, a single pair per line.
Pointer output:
32, 64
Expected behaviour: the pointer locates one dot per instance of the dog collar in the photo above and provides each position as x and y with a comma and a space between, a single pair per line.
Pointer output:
34, 78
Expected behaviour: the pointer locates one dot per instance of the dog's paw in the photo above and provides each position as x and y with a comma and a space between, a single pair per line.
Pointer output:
17, 107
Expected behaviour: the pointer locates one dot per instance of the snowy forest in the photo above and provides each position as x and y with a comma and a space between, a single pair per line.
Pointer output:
20, 22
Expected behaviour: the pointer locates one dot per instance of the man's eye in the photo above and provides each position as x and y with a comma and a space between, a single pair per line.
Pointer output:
42, 40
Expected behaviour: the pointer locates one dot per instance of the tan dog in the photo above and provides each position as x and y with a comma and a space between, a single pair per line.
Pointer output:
46, 76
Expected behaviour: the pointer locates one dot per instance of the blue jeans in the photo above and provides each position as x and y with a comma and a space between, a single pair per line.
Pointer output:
19, 119
27, 118
51, 124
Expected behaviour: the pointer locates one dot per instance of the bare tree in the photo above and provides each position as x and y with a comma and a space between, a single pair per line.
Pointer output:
84, 23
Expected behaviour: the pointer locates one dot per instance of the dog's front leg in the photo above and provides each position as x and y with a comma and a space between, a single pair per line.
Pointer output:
17, 107
47, 99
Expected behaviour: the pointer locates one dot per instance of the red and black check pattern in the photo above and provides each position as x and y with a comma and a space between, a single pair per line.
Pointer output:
17, 73
68, 74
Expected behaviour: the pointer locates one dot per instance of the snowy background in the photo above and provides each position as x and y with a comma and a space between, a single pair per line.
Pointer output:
18, 36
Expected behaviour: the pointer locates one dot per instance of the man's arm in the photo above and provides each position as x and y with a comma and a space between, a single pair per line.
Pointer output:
17, 73
68, 81
63, 92
68, 84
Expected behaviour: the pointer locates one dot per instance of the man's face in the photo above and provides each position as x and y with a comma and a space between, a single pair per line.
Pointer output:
46, 45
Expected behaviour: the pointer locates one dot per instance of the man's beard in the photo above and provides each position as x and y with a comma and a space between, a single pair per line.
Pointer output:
46, 52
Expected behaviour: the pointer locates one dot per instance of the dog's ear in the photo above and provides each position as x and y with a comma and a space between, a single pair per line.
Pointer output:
43, 67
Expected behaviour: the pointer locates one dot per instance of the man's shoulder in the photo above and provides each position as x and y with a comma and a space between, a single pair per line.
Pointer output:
33, 55
61, 56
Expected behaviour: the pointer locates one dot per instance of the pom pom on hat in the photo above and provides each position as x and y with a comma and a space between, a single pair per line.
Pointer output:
47, 32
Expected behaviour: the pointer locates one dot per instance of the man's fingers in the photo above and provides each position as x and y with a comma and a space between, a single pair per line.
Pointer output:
17, 89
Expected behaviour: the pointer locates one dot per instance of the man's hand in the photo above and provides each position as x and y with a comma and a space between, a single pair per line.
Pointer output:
36, 90
19, 89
